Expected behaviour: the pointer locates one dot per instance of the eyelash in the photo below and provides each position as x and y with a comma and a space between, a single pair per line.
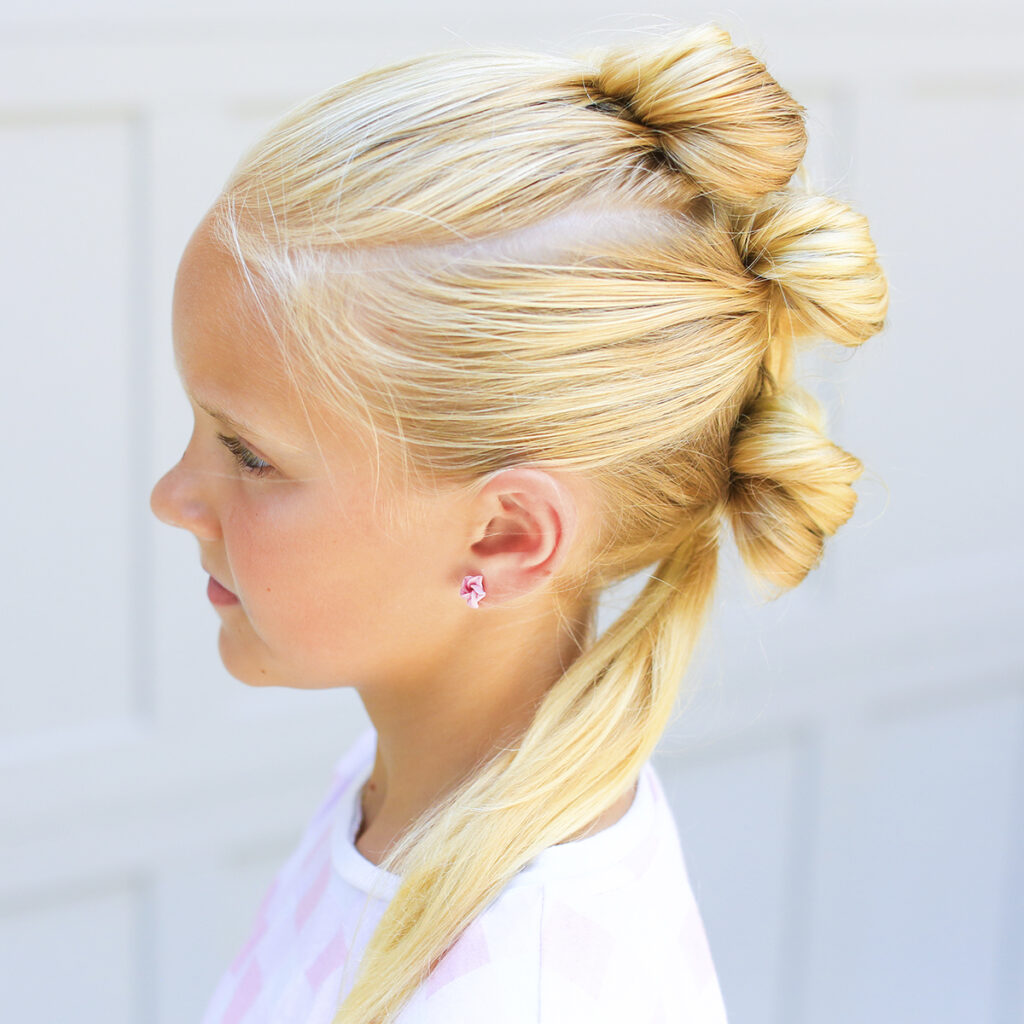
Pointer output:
245, 458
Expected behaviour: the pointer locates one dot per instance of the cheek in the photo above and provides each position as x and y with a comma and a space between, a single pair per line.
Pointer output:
267, 541
301, 563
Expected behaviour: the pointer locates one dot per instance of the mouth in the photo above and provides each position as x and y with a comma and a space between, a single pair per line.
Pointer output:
219, 594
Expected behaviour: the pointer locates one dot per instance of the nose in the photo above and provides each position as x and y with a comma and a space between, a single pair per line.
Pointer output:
178, 498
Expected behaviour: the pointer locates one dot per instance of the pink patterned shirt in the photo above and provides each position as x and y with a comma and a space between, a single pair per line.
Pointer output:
602, 930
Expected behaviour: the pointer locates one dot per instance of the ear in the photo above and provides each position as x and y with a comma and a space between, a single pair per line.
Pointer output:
524, 522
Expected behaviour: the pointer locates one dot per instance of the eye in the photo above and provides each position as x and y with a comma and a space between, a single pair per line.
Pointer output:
243, 456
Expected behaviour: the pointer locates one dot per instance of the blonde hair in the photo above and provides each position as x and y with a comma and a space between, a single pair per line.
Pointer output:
599, 265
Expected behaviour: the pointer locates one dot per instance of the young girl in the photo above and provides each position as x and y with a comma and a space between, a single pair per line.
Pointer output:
467, 340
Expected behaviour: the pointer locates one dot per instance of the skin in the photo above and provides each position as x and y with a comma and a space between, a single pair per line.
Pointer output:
331, 595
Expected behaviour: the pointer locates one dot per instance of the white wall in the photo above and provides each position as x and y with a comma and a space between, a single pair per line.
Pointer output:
849, 774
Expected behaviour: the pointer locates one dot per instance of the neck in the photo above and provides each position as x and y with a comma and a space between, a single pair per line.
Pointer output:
434, 730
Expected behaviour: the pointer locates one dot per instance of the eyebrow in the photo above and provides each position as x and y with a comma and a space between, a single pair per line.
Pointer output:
240, 425
231, 421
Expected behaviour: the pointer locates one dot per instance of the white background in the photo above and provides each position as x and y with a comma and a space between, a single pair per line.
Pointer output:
848, 774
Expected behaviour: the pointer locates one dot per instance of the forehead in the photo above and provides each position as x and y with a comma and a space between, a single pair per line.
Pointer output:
230, 360
225, 351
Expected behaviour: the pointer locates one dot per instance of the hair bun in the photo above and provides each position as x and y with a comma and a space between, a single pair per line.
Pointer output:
721, 118
820, 255
790, 487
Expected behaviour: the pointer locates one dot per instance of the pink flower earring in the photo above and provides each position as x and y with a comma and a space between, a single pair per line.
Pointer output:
472, 590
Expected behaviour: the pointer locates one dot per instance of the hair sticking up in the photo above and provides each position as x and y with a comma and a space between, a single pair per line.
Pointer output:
441, 247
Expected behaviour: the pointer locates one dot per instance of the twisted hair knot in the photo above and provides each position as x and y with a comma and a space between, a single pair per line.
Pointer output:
716, 113
789, 486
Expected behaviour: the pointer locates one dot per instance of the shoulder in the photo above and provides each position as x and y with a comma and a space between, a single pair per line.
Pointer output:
624, 939
604, 929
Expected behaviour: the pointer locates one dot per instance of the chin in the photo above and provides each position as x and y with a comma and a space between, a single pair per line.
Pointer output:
246, 666
256, 667
249, 661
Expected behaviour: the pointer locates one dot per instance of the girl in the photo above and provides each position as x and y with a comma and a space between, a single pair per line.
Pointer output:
467, 340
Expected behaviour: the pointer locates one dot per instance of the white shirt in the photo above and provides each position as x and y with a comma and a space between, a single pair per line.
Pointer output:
601, 929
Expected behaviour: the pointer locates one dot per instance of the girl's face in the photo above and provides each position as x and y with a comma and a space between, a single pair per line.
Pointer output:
312, 588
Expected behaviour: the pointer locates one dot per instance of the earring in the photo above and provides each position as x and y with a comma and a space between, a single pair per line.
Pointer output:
472, 590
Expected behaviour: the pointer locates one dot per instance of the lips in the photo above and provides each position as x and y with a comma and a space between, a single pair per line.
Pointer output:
219, 594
